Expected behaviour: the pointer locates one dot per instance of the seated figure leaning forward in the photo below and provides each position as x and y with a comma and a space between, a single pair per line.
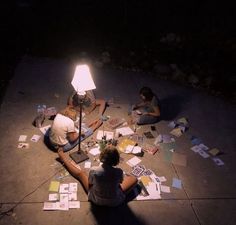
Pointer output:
64, 133
148, 110
106, 184
89, 103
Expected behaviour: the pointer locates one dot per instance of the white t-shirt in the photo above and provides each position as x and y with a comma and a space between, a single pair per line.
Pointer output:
60, 127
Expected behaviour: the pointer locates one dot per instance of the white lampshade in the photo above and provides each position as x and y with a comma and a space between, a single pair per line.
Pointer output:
82, 80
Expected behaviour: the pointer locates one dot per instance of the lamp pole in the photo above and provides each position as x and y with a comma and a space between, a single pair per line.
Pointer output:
80, 120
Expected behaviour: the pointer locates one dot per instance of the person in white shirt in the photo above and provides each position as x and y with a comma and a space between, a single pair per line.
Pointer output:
64, 133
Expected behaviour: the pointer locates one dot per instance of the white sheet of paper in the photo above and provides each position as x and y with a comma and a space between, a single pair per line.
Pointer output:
165, 189
74, 204
124, 131
22, 138
44, 129
53, 197
218, 161
72, 196
177, 183
50, 205
195, 148
63, 205
87, 164
162, 179
133, 161
133, 149
64, 188
109, 134
203, 147
35, 138
203, 154
95, 151
64, 197
73, 187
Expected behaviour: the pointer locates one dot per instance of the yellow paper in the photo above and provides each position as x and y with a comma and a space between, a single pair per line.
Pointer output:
145, 180
214, 151
124, 143
176, 132
54, 186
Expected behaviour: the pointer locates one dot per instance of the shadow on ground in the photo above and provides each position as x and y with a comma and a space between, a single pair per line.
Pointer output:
172, 105
115, 215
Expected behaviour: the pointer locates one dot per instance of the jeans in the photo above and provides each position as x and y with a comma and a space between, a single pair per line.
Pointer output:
67, 147
147, 119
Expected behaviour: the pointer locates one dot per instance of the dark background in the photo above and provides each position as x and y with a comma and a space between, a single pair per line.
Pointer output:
66, 28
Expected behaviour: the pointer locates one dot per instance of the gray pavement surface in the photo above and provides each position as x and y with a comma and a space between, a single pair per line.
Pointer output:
208, 194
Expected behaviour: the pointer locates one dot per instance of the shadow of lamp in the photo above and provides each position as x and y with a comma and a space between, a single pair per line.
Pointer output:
82, 82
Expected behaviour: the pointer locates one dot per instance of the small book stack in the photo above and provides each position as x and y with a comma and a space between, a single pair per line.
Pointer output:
115, 122
149, 148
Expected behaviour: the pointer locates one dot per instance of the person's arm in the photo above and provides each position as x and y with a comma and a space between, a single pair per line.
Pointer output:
155, 113
74, 169
138, 105
72, 136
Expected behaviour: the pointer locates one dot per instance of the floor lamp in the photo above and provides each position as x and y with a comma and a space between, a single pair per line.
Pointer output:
82, 82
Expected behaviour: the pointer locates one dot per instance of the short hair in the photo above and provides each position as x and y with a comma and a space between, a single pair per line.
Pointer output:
147, 93
110, 156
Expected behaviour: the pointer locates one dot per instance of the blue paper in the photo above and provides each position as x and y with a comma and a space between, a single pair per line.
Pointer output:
177, 183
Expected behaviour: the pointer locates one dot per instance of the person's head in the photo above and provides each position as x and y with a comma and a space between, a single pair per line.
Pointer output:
70, 112
146, 93
110, 156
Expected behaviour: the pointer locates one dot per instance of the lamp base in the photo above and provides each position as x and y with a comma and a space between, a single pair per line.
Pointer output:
79, 156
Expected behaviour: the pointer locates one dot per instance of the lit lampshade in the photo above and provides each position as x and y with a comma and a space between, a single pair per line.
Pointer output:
82, 80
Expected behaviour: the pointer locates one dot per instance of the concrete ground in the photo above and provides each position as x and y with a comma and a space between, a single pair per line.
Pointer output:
207, 195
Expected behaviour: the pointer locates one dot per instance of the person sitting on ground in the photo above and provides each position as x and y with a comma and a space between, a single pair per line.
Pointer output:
64, 132
89, 103
105, 185
148, 110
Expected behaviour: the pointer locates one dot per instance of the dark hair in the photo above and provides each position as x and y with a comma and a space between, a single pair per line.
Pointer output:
147, 93
110, 156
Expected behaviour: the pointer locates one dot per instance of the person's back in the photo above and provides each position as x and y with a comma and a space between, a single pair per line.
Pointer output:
105, 189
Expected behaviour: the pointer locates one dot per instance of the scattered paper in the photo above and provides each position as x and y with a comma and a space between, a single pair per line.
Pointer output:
196, 148
44, 129
176, 183
72, 196
108, 134
218, 161
73, 187
64, 197
124, 131
53, 197
95, 151
203, 147
35, 138
64, 188
22, 138
74, 204
133, 161
214, 151
23, 145
176, 132
54, 186
195, 141
87, 164
165, 189
203, 154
